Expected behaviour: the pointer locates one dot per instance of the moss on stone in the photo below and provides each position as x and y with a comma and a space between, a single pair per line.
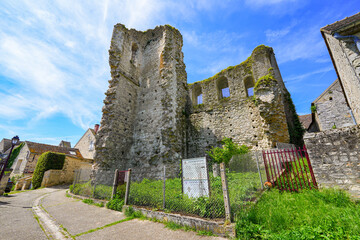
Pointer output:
198, 106
261, 47
265, 81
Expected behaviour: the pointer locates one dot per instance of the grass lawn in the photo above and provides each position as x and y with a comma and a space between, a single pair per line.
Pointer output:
324, 214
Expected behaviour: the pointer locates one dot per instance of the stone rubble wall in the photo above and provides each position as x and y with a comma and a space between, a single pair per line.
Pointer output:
335, 157
258, 121
347, 60
143, 117
331, 108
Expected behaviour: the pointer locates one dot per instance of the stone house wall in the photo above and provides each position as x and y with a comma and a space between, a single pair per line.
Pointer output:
346, 58
22, 162
86, 144
332, 109
335, 157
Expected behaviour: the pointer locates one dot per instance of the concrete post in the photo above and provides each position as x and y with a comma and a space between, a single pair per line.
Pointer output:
128, 179
115, 184
225, 192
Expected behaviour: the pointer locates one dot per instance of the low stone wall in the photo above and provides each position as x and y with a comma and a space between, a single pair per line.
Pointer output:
335, 157
66, 175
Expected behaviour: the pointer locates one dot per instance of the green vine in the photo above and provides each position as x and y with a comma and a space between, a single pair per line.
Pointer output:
296, 131
14, 155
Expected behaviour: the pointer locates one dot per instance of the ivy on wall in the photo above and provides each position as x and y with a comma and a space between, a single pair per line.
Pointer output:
296, 131
46, 161
14, 155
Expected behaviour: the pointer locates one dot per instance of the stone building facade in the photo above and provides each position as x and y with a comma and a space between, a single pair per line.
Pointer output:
153, 118
86, 143
331, 109
343, 43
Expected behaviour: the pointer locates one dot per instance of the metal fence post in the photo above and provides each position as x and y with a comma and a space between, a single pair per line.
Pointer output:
128, 179
258, 167
164, 180
74, 181
225, 192
94, 187
115, 184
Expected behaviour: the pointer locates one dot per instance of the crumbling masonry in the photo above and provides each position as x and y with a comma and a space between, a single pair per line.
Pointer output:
152, 117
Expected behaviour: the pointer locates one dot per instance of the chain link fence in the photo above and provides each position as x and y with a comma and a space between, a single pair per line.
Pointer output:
87, 184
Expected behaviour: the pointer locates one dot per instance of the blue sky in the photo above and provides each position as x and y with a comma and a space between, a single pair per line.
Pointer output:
54, 54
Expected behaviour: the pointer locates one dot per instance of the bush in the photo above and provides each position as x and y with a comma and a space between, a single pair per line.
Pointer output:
46, 161
115, 204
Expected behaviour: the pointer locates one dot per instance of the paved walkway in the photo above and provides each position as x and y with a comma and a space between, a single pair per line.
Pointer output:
48, 214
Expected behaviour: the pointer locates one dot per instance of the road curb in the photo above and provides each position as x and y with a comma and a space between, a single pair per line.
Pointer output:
52, 229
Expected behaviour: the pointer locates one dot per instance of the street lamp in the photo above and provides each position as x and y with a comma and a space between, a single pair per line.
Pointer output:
15, 140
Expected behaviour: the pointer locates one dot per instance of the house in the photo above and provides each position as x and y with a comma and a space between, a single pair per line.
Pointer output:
86, 144
331, 110
307, 123
342, 39
25, 162
5, 146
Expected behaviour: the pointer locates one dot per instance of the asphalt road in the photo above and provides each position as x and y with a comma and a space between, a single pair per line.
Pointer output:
48, 214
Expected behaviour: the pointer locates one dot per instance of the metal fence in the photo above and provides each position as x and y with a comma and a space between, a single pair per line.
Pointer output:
87, 184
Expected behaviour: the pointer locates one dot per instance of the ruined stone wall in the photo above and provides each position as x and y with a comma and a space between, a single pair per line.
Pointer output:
143, 120
335, 157
347, 60
332, 109
259, 120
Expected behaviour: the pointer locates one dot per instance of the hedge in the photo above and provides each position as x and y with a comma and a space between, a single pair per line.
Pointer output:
46, 161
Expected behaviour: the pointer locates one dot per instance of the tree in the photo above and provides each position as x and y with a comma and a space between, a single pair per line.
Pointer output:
228, 150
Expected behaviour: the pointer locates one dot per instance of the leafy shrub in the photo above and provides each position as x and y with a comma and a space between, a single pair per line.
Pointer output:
228, 150
115, 204
46, 161
87, 190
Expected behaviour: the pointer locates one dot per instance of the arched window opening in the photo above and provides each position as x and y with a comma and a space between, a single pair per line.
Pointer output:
134, 50
197, 95
249, 86
223, 88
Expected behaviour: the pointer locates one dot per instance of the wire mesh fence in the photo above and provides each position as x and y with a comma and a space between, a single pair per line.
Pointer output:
199, 189
87, 184
245, 175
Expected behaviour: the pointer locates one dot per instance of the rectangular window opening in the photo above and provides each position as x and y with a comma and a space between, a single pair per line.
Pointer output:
199, 99
250, 92
225, 92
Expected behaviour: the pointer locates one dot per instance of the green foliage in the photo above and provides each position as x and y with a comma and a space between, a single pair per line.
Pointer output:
326, 214
296, 131
130, 212
334, 126
313, 108
265, 81
87, 190
14, 154
228, 150
46, 161
115, 204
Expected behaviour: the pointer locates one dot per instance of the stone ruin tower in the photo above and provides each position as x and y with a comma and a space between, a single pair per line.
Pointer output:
152, 117
142, 126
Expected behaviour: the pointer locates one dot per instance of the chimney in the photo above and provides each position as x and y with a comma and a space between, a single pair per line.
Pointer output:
96, 128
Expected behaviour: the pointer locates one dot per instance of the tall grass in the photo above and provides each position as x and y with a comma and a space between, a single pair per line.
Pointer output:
325, 214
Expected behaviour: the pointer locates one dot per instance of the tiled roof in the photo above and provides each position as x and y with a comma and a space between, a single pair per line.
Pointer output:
305, 120
331, 28
41, 148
